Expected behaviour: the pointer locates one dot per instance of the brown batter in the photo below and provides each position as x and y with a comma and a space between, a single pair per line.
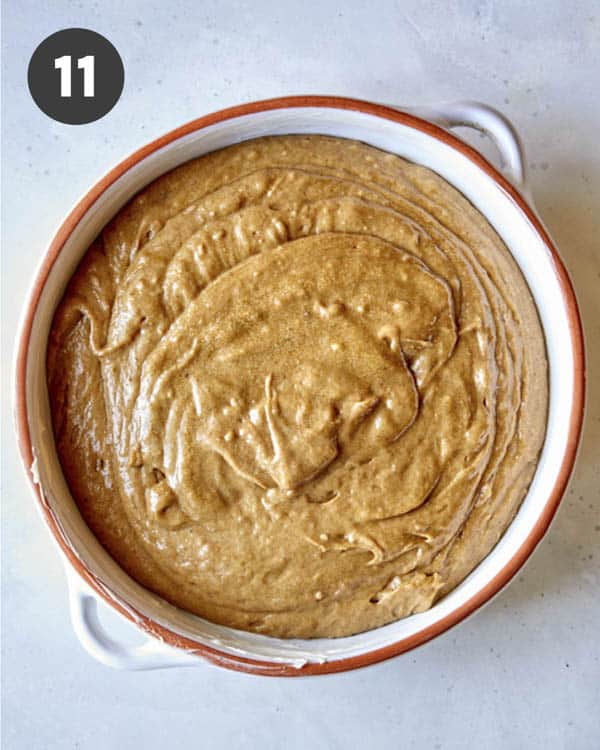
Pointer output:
298, 387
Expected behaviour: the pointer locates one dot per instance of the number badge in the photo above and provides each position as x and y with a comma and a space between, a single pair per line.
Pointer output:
76, 76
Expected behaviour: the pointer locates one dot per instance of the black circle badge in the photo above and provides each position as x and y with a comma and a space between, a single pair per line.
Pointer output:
76, 76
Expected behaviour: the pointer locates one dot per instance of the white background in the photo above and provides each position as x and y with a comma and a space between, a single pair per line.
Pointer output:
523, 673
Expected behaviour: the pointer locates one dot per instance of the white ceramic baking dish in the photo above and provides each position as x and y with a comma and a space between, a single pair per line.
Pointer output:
176, 638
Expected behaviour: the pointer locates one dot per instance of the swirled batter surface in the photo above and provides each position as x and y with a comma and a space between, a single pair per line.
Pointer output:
298, 387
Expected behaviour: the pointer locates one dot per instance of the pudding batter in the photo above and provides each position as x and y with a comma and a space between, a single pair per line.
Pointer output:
298, 387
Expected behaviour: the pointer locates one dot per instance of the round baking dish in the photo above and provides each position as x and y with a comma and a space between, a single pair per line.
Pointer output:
177, 638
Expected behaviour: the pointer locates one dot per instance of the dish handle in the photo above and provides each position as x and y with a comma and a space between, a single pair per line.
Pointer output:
486, 120
151, 654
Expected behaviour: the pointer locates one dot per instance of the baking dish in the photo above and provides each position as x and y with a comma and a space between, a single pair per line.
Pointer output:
177, 638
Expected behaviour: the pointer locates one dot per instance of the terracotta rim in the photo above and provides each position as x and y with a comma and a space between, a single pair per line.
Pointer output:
521, 554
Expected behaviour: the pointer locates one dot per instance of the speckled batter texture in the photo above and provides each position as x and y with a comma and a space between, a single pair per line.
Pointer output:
298, 387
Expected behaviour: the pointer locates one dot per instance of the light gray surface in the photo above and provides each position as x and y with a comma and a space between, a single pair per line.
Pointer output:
525, 672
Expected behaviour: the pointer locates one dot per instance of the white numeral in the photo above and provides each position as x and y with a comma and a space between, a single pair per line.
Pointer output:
83, 63
87, 64
64, 65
